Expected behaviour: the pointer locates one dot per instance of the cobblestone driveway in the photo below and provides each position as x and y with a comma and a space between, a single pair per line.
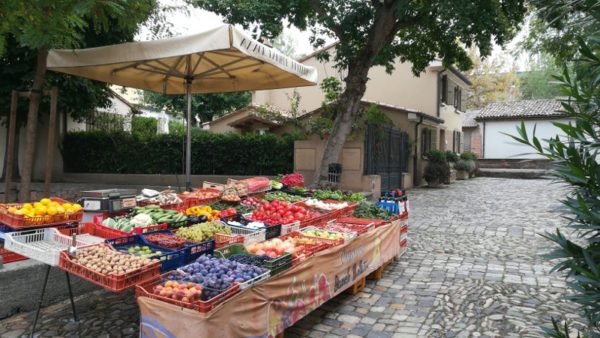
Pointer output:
473, 269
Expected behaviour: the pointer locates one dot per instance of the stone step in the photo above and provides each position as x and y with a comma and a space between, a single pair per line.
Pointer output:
514, 173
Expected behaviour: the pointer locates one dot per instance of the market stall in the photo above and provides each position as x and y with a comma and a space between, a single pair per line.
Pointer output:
261, 255
270, 306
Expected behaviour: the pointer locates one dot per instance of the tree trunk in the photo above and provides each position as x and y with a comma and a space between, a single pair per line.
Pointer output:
32, 121
381, 34
15, 167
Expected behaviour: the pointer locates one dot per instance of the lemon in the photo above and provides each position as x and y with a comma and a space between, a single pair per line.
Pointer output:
51, 211
12, 210
37, 205
30, 213
66, 205
76, 207
45, 201
27, 206
18, 212
60, 209
40, 210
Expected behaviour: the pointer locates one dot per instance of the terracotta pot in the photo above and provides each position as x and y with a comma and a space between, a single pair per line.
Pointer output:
462, 175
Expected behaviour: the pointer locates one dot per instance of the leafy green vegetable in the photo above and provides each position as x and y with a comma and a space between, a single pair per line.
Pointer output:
368, 210
338, 196
282, 196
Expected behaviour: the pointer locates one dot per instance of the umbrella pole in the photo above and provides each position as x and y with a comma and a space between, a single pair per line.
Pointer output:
188, 145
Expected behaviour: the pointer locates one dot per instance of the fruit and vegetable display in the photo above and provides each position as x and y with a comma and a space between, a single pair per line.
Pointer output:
104, 260
298, 246
240, 208
293, 180
127, 224
276, 185
280, 212
257, 184
341, 227
166, 240
240, 187
185, 292
230, 195
217, 274
249, 259
202, 194
251, 202
338, 195
282, 196
45, 207
367, 210
311, 202
143, 251
199, 214
327, 234
160, 216
165, 197
203, 231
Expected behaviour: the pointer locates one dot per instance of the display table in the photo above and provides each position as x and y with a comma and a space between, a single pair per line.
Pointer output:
270, 307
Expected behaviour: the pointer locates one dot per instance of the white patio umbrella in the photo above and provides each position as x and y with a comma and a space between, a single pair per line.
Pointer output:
223, 59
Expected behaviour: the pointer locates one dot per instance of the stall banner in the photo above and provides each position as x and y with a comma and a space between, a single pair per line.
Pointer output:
277, 303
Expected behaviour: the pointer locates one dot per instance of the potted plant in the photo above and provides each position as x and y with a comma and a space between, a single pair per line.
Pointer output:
472, 157
463, 169
451, 157
437, 169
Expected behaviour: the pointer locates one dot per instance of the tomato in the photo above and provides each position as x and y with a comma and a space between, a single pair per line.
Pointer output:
299, 215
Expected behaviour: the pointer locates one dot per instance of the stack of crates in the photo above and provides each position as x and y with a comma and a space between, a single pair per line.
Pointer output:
396, 202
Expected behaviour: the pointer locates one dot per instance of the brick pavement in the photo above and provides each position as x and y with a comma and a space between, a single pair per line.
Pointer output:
474, 269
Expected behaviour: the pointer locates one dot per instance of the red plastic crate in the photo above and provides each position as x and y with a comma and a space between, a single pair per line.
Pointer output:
310, 249
223, 240
145, 290
9, 256
101, 231
114, 283
110, 231
404, 230
193, 199
20, 222
362, 221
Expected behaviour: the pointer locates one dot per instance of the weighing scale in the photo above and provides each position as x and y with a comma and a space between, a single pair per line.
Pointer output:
106, 201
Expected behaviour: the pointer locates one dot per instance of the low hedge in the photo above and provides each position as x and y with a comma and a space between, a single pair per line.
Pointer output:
212, 154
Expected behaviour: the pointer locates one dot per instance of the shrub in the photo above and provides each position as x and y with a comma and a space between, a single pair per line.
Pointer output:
212, 154
465, 165
144, 126
467, 155
436, 172
436, 156
451, 156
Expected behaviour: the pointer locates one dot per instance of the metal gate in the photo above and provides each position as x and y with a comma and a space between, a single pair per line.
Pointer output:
386, 155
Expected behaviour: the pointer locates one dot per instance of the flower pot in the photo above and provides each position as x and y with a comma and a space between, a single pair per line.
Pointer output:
452, 177
462, 175
471, 175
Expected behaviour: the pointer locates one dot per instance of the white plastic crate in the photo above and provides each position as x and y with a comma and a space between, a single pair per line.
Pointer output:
287, 229
250, 282
43, 245
250, 235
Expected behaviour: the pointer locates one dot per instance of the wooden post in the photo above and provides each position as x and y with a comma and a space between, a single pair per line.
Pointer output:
10, 147
51, 138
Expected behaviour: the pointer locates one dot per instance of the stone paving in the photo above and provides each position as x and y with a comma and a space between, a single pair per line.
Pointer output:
473, 269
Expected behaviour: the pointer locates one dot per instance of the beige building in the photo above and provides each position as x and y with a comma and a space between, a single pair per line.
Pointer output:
428, 108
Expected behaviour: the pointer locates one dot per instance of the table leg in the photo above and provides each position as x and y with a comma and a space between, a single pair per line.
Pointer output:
71, 296
39, 308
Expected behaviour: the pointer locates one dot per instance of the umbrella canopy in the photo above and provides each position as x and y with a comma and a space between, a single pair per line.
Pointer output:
223, 59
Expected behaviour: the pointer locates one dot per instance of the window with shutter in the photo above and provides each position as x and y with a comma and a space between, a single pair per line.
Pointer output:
444, 89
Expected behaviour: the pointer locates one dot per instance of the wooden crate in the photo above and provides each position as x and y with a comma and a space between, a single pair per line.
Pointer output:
358, 286
378, 274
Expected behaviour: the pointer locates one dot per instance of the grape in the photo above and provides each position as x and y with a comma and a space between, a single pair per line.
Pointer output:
203, 231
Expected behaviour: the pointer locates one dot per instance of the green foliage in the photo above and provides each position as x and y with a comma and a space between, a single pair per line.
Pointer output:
204, 105
437, 156
144, 127
424, 30
465, 165
176, 128
576, 163
218, 154
538, 82
451, 156
468, 155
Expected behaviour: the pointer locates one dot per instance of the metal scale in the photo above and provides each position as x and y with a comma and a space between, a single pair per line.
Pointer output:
106, 201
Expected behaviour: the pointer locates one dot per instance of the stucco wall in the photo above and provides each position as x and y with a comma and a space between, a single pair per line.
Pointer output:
496, 145
453, 120
222, 125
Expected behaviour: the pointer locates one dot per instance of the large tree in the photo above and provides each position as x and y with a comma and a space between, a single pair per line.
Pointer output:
377, 33
494, 79
205, 106
539, 82
39, 26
